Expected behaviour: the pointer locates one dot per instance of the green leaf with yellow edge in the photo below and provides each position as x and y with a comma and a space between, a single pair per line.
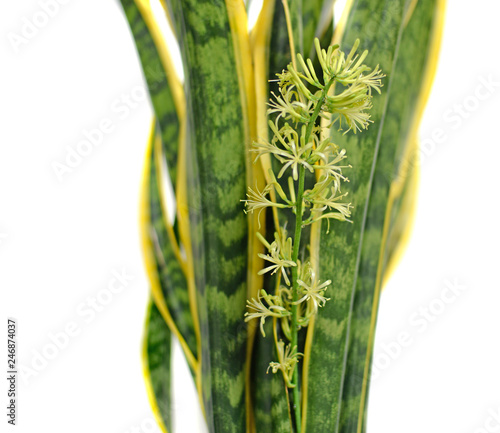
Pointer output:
162, 88
161, 289
157, 360
402, 218
406, 173
336, 251
340, 341
216, 162
167, 267
170, 271
411, 84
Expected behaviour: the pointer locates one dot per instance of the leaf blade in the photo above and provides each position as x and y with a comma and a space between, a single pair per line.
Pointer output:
353, 248
215, 162
156, 361
415, 70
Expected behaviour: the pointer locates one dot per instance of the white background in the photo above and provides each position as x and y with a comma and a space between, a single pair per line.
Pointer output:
61, 241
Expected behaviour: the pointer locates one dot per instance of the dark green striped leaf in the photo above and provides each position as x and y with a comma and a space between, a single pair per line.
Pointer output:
408, 76
172, 279
216, 184
157, 365
158, 85
339, 249
349, 254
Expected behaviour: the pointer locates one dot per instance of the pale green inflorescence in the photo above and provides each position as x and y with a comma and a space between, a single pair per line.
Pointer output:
342, 96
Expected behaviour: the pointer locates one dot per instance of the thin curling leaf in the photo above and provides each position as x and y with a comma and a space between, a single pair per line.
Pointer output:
162, 86
157, 368
164, 243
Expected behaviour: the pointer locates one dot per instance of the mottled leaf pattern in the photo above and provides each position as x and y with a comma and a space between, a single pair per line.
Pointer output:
157, 350
158, 84
351, 254
216, 184
172, 279
407, 82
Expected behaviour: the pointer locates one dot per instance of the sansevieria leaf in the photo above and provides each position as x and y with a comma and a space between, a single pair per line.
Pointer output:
353, 312
157, 365
165, 255
402, 215
415, 62
216, 162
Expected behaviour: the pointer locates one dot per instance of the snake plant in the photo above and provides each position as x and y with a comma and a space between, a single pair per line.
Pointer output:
289, 148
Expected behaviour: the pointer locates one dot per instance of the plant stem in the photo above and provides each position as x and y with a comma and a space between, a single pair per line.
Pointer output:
295, 256
295, 292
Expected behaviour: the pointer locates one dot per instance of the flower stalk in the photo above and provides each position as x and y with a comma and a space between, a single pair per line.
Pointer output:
302, 101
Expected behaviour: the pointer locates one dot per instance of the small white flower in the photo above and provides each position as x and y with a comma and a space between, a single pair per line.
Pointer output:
287, 360
278, 263
312, 290
260, 310
257, 200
